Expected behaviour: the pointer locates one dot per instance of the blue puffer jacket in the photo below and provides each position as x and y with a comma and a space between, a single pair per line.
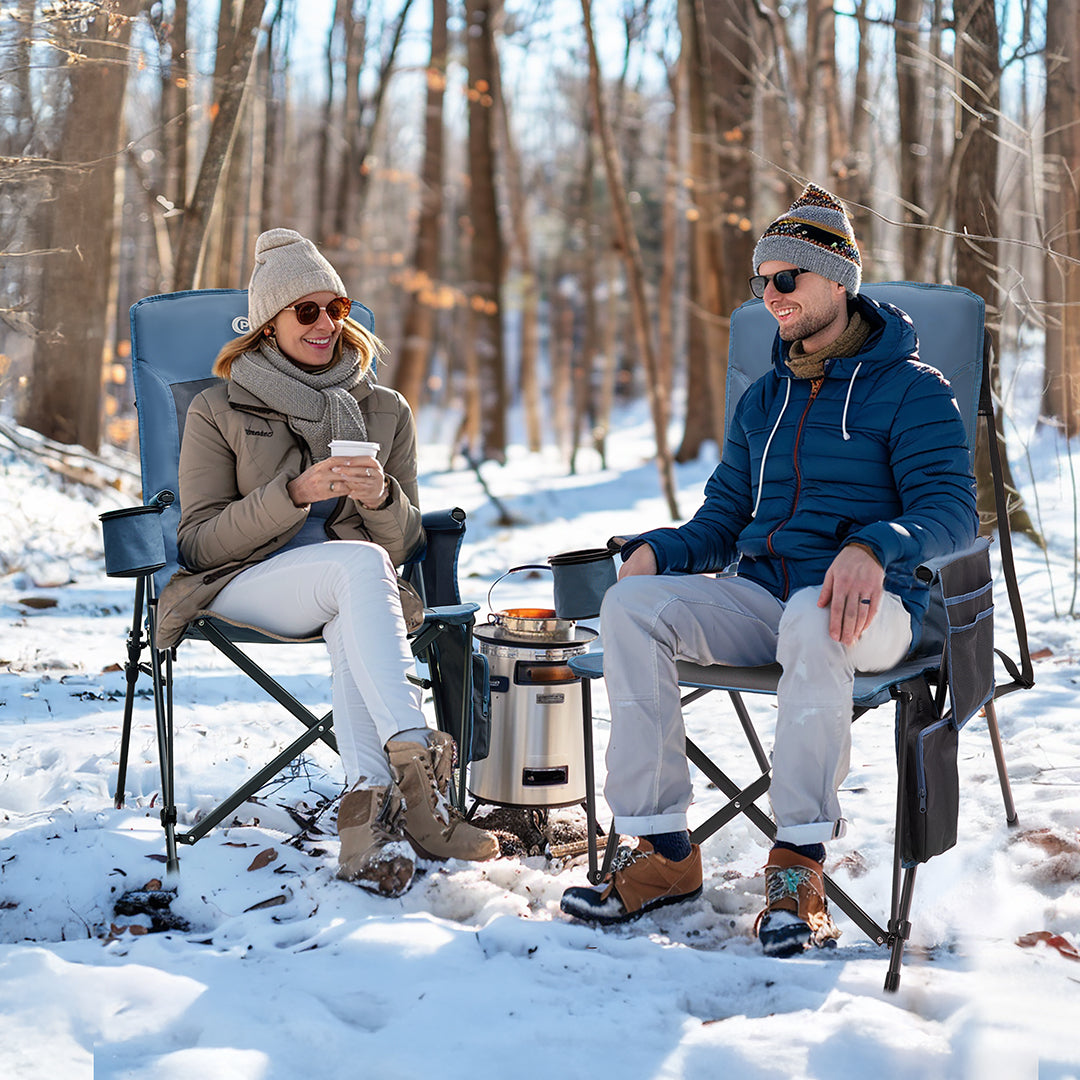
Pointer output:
875, 452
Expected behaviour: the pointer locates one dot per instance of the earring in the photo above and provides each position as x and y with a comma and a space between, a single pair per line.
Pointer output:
269, 332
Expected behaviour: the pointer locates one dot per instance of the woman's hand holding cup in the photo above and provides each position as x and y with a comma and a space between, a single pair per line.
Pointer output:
352, 469
356, 467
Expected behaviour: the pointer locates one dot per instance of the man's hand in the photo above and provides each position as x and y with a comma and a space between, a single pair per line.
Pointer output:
642, 560
852, 593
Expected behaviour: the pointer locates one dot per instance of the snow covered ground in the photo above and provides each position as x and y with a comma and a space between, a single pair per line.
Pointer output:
286, 972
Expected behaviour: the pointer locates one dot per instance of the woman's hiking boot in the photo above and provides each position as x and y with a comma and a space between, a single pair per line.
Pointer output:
374, 851
434, 826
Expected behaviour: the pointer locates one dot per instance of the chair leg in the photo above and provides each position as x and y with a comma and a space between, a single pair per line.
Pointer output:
903, 878
161, 669
900, 929
465, 749
1011, 818
750, 731
135, 645
590, 777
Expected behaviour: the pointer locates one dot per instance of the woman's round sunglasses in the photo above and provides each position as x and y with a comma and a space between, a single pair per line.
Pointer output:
307, 311
783, 280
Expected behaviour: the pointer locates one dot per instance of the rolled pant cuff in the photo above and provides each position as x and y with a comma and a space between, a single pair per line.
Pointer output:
817, 832
651, 824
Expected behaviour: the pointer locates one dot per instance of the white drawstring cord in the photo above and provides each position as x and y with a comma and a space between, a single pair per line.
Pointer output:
765, 452
847, 401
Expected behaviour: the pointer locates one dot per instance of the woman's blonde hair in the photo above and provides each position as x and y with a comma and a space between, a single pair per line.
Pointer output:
353, 334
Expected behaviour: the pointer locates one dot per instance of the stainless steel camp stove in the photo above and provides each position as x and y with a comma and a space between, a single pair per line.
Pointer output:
537, 751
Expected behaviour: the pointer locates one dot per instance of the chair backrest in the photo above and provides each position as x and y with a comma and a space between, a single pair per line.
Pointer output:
948, 321
174, 340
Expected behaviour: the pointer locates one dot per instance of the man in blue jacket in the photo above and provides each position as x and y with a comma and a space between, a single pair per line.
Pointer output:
843, 469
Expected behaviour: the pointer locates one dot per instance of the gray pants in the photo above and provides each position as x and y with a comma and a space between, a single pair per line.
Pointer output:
647, 623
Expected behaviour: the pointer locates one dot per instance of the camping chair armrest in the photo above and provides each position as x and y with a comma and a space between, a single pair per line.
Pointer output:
452, 520
454, 615
930, 571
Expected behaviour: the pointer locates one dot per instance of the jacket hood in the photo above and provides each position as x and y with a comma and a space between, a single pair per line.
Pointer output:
892, 339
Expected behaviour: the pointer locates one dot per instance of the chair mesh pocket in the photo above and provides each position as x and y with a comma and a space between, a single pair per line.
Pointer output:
970, 649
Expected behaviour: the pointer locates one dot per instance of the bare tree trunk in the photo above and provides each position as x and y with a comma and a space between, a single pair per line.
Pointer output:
1061, 389
486, 260
229, 97
324, 198
592, 360
419, 322
561, 347
631, 254
730, 49
910, 84
708, 299
356, 175
15, 133
528, 280
669, 235
175, 110
698, 424
783, 93
272, 97
351, 159
609, 346
855, 186
77, 225
836, 143
977, 217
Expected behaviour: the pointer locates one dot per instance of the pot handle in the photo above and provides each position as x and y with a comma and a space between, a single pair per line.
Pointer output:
514, 570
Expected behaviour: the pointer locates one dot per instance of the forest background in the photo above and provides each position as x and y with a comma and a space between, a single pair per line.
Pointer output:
550, 206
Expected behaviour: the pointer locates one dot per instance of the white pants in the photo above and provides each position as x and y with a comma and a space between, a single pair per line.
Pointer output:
647, 623
348, 589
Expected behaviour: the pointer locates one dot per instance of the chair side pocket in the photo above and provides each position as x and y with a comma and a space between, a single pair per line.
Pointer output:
931, 783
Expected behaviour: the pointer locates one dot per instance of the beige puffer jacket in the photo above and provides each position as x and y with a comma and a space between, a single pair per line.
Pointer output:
236, 458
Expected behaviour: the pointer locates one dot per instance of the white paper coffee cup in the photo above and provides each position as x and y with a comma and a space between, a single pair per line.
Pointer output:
353, 448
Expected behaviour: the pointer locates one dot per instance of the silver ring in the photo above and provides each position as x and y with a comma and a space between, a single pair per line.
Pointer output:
331, 486
369, 472
864, 600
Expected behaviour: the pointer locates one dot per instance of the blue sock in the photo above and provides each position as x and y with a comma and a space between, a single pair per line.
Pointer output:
807, 851
672, 845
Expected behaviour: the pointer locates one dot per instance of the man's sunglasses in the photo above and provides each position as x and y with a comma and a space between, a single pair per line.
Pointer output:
783, 280
307, 311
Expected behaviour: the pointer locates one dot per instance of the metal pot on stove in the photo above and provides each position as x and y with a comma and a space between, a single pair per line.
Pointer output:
537, 752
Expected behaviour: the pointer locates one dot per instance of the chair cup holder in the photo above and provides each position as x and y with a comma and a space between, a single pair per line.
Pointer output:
134, 544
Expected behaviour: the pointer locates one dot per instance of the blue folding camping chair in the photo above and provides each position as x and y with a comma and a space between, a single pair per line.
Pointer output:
937, 690
174, 340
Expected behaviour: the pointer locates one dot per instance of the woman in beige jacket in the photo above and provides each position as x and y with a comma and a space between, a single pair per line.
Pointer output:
276, 533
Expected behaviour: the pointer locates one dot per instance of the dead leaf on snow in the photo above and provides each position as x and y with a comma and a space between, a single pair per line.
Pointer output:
274, 901
1054, 941
1050, 842
264, 858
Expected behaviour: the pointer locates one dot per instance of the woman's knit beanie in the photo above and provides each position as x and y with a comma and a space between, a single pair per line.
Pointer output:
815, 234
287, 266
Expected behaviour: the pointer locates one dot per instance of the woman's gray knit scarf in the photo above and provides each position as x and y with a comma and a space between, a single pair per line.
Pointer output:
318, 404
